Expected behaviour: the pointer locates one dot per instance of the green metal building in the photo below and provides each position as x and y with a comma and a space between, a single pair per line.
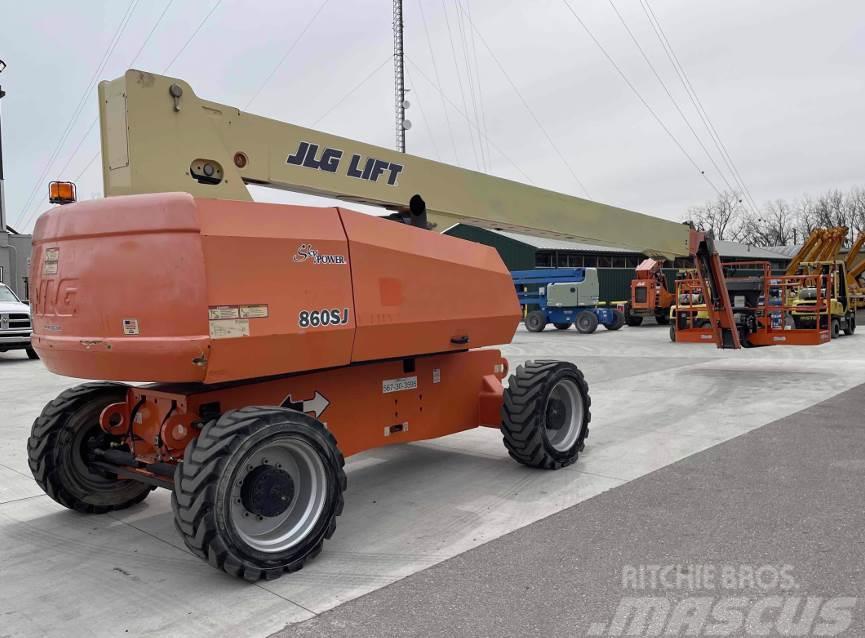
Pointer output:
615, 265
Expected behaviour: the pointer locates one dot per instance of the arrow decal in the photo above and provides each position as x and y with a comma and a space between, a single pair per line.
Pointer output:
317, 404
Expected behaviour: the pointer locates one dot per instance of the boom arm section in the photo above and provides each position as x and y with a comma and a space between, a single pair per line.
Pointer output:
158, 136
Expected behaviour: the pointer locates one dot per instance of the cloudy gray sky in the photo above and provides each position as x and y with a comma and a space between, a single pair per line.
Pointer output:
783, 82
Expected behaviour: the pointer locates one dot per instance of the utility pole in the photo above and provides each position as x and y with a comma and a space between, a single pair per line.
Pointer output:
402, 124
2, 194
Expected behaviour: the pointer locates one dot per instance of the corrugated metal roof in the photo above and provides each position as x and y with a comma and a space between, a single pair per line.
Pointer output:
725, 248
546, 243
745, 251
787, 251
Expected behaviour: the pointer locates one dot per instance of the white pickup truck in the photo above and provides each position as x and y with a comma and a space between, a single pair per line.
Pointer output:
14, 323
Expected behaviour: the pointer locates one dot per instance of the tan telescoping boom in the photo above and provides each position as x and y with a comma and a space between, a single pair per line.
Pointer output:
158, 136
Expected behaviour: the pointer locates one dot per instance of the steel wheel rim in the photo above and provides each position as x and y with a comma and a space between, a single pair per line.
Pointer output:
563, 415
280, 532
85, 441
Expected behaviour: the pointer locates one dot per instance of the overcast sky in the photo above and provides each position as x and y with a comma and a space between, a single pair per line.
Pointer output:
783, 82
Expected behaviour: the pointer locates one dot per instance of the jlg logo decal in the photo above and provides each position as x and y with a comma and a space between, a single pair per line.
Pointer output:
369, 169
324, 317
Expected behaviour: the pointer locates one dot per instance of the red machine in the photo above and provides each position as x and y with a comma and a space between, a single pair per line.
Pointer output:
650, 296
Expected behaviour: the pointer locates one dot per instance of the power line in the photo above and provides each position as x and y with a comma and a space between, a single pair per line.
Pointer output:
82, 101
695, 100
483, 120
131, 64
192, 37
286, 54
471, 81
459, 79
152, 31
165, 69
86, 166
366, 79
529, 108
438, 80
467, 119
416, 98
640, 97
93, 123
84, 137
672, 99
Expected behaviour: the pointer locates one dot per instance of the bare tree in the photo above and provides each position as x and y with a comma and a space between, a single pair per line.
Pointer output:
723, 217
780, 223
807, 217
856, 209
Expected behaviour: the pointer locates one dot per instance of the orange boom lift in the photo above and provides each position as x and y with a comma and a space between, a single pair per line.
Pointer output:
284, 338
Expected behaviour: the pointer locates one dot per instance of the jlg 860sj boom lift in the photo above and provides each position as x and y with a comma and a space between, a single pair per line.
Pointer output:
284, 338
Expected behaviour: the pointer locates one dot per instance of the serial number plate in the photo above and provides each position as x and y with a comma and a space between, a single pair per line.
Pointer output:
396, 385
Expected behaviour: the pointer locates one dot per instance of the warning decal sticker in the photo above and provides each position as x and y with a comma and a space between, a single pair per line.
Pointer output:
130, 327
223, 312
50, 260
229, 328
257, 311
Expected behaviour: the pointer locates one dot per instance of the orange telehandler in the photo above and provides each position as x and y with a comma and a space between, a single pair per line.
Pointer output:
284, 338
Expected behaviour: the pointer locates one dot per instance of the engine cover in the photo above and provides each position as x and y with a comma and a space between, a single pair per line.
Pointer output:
166, 287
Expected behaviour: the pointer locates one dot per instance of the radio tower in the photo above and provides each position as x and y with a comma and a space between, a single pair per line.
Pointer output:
402, 124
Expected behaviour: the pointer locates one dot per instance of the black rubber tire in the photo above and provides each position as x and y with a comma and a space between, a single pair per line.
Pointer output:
836, 328
673, 333
523, 414
662, 319
201, 503
586, 322
851, 324
562, 326
618, 320
31, 354
54, 444
536, 321
634, 320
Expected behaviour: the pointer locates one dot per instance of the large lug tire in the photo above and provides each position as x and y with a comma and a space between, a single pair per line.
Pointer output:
62, 445
673, 333
662, 319
536, 321
545, 415
634, 320
258, 491
836, 328
618, 320
851, 324
31, 354
562, 326
586, 322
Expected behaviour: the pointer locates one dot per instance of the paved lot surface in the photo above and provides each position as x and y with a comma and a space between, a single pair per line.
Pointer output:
782, 503
408, 507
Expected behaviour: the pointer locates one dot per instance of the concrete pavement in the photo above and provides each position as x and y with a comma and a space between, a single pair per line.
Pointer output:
774, 516
407, 508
